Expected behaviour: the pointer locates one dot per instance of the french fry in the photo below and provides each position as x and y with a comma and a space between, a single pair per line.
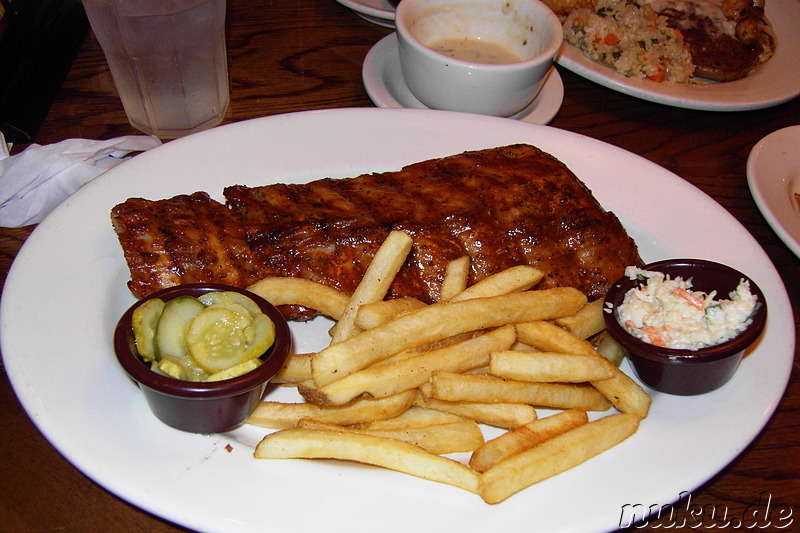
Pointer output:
367, 449
426, 390
452, 437
456, 278
548, 337
437, 322
418, 350
522, 347
608, 347
296, 369
411, 418
376, 281
489, 389
624, 393
588, 321
547, 367
302, 292
276, 415
514, 279
555, 456
435, 345
404, 383
501, 415
521, 438
386, 380
376, 313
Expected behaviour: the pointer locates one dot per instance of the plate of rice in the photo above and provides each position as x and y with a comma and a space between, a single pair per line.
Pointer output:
626, 47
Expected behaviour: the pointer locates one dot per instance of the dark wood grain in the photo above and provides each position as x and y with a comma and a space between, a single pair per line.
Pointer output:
307, 54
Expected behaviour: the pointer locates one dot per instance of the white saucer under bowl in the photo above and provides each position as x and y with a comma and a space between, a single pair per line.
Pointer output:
385, 86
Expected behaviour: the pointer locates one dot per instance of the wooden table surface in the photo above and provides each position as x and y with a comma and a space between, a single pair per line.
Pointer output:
307, 54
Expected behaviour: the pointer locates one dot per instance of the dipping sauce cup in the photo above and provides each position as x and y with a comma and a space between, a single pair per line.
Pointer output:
687, 372
200, 406
488, 57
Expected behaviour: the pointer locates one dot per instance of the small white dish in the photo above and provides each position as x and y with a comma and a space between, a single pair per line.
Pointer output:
384, 83
379, 12
773, 174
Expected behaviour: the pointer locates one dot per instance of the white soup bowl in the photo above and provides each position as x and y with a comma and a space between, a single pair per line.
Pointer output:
527, 29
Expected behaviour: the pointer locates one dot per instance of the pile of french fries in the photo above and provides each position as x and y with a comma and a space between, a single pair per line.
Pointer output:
405, 385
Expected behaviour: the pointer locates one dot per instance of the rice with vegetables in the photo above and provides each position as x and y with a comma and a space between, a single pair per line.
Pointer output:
631, 39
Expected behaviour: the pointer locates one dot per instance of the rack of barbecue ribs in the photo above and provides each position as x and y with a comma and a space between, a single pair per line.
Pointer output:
501, 206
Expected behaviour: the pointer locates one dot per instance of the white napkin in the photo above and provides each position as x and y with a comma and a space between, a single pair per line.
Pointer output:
35, 181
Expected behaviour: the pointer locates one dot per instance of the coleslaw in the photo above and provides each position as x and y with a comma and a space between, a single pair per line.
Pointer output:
666, 312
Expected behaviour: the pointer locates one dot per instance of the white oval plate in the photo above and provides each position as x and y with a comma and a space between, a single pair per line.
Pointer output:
383, 81
776, 82
773, 174
66, 290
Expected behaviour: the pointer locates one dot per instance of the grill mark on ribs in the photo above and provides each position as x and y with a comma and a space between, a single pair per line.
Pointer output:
501, 206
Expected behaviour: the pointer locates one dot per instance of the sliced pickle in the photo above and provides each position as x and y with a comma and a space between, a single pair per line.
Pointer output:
172, 325
217, 297
171, 369
144, 320
220, 337
236, 308
235, 370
